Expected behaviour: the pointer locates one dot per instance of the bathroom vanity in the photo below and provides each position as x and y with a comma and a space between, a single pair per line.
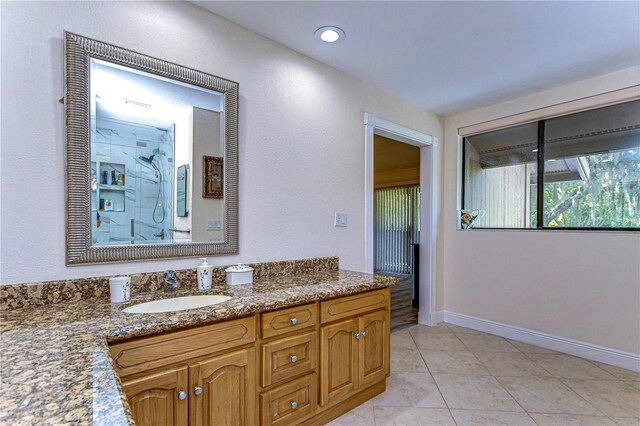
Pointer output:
304, 364
302, 345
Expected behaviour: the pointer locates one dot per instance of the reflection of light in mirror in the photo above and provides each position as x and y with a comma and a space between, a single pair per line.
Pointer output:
133, 95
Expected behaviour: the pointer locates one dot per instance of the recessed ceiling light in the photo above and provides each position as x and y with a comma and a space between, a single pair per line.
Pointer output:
329, 34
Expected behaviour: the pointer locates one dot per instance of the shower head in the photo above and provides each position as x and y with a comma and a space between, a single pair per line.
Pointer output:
148, 160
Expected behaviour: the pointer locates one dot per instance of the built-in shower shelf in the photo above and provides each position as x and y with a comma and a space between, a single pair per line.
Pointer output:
112, 187
114, 193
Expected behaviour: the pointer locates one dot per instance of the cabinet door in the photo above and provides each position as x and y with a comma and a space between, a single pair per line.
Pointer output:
338, 361
374, 364
228, 389
154, 399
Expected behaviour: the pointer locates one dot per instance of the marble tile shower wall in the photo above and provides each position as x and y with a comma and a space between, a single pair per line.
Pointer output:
118, 146
14, 296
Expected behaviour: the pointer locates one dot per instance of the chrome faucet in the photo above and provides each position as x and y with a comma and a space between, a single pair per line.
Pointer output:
171, 282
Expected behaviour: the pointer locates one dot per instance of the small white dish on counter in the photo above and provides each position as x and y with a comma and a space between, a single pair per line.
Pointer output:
175, 304
239, 274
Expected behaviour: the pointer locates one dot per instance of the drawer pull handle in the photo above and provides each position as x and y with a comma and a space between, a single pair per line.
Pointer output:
294, 321
182, 395
357, 336
197, 390
293, 405
293, 358
364, 334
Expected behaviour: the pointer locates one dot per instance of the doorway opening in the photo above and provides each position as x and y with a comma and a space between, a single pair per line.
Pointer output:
424, 260
396, 217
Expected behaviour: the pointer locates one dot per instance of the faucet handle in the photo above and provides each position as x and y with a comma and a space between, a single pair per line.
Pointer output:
170, 275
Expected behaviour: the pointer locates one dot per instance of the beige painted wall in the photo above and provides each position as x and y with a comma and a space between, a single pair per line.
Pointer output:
578, 285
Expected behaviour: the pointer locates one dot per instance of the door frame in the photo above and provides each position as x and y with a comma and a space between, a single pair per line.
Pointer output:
428, 197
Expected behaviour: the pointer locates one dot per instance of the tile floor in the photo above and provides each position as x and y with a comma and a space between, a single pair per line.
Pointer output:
449, 375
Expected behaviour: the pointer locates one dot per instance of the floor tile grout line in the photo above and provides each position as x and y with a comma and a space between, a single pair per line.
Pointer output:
507, 391
602, 369
572, 390
568, 387
540, 365
437, 387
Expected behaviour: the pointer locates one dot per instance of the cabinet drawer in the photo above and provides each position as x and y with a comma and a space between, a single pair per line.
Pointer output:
150, 352
286, 320
332, 310
290, 402
288, 357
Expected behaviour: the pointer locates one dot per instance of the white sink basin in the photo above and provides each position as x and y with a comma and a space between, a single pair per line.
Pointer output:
175, 304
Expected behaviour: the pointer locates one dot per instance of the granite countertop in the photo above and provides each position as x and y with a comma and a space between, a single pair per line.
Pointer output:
55, 365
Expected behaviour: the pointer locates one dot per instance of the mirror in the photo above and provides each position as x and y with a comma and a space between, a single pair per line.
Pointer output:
151, 157
181, 191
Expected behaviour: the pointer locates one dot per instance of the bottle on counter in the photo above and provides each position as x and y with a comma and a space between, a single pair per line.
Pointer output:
204, 274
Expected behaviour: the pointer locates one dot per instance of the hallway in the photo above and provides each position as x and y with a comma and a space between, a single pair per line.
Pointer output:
402, 313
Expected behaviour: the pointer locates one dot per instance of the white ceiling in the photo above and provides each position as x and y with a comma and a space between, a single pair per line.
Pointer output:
450, 57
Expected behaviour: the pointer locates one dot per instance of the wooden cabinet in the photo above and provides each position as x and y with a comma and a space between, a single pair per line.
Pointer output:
338, 360
290, 402
289, 357
159, 399
146, 353
349, 306
288, 320
220, 391
224, 390
301, 365
354, 353
374, 363
207, 375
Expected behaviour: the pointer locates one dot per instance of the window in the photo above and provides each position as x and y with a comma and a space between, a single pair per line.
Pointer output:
589, 174
397, 226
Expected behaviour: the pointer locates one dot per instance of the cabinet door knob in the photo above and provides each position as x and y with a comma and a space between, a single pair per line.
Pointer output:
197, 390
182, 395
364, 333
293, 358
357, 336
294, 321
293, 405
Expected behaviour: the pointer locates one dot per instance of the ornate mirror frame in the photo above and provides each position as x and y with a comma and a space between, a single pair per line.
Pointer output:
79, 51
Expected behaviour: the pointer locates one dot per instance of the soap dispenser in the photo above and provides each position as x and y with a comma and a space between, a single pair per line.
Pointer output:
204, 274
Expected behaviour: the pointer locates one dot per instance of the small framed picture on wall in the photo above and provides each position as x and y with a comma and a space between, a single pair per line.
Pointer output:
212, 179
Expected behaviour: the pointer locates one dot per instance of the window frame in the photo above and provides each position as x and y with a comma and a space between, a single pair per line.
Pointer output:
539, 189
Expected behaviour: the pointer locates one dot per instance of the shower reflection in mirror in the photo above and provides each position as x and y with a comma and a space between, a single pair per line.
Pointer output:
141, 126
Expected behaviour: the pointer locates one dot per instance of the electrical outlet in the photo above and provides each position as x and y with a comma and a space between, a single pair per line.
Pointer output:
214, 225
340, 220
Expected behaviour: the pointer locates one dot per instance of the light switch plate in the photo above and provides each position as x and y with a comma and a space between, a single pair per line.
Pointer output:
341, 220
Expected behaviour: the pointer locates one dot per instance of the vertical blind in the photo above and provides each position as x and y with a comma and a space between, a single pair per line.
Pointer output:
396, 225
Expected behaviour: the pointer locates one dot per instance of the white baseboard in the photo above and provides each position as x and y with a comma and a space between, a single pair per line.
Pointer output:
627, 360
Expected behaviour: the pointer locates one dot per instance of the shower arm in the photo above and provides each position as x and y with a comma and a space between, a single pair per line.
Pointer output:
184, 231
